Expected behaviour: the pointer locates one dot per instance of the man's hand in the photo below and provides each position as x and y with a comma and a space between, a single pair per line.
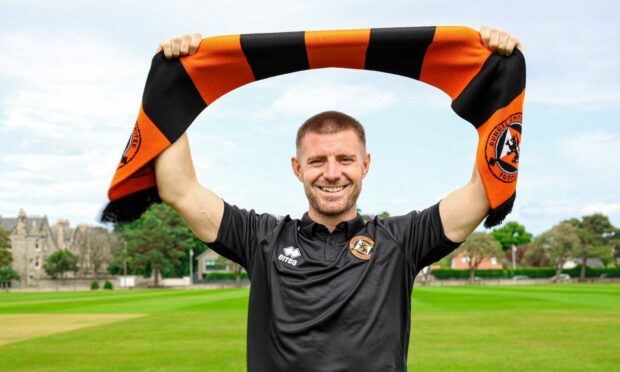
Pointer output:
499, 41
180, 45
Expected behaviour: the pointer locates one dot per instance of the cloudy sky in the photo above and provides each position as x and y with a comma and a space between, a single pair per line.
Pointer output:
72, 75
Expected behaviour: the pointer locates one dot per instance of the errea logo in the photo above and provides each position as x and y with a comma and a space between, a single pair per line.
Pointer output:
290, 255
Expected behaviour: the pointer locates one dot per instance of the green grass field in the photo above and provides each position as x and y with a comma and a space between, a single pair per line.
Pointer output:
488, 328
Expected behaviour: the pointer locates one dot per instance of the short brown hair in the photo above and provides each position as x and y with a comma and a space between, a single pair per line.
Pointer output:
330, 122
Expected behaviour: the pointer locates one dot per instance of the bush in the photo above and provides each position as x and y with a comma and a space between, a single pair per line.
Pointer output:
531, 272
225, 276
7, 274
107, 285
592, 271
94, 285
464, 274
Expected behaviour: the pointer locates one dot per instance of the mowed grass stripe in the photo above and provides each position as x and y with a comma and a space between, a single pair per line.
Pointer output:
541, 328
170, 341
120, 302
20, 327
496, 298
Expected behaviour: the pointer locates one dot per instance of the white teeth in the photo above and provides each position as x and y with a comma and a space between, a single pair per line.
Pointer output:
331, 189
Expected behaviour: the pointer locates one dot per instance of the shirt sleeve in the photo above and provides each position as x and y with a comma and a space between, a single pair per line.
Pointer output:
421, 236
240, 232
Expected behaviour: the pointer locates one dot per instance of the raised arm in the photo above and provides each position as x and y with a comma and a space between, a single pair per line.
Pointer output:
462, 210
176, 178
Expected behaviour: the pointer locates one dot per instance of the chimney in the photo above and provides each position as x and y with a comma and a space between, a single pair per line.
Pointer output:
21, 223
61, 225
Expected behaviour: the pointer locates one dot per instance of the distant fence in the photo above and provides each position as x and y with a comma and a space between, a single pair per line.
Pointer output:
73, 284
531, 273
489, 281
83, 284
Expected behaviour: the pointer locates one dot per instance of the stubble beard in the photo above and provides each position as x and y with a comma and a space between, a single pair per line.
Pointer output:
315, 202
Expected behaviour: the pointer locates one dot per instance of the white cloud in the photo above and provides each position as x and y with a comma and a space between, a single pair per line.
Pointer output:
66, 103
310, 95
606, 208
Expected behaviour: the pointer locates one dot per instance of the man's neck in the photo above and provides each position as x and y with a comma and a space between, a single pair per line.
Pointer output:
330, 222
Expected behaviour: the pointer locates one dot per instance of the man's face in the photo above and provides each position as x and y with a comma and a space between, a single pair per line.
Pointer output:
331, 167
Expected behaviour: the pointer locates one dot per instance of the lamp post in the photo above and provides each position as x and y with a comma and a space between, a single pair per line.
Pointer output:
125, 259
191, 266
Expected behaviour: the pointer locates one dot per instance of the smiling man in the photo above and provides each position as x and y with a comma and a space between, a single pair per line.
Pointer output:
329, 291
331, 162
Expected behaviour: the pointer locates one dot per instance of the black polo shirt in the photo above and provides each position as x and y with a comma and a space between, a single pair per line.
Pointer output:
330, 302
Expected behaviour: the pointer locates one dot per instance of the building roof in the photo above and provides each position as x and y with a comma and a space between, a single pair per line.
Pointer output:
33, 224
209, 254
8, 223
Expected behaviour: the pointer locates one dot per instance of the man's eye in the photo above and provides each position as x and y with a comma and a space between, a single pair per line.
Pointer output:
347, 161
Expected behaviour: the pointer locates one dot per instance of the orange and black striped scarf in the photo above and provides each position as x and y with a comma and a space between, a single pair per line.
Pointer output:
486, 89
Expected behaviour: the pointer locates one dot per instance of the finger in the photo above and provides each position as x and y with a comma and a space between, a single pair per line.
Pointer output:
510, 45
158, 49
195, 43
485, 35
184, 48
167, 49
176, 45
503, 40
518, 45
494, 40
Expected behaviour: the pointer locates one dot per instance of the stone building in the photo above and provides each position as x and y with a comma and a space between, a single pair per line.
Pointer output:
94, 247
461, 262
210, 261
33, 240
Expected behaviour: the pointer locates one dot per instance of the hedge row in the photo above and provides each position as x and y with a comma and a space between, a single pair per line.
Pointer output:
225, 276
531, 272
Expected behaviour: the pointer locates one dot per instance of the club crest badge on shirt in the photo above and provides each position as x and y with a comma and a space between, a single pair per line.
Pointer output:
362, 247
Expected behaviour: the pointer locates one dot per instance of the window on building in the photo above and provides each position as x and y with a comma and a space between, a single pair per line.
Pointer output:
493, 261
36, 244
37, 263
465, 259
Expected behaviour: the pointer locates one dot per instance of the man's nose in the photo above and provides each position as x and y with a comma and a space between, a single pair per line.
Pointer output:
332, 171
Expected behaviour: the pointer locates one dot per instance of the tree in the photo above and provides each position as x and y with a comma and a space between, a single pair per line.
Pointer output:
237, 269
510, 236
477, 247
367, 217
536, 256
5, 249
595, 233
6, 271
157, 241
58, 263
558, 244
614, 243
6, 275
95, 247
197, 246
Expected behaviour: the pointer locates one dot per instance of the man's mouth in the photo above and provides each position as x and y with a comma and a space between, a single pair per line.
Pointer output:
332, 189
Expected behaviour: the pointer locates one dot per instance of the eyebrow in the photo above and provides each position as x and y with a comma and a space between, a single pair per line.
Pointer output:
321, 157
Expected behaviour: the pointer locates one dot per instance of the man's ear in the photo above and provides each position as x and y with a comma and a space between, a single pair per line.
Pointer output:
366, 164
296, 168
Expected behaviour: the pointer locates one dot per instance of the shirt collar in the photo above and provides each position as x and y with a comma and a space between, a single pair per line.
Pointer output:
308, 227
